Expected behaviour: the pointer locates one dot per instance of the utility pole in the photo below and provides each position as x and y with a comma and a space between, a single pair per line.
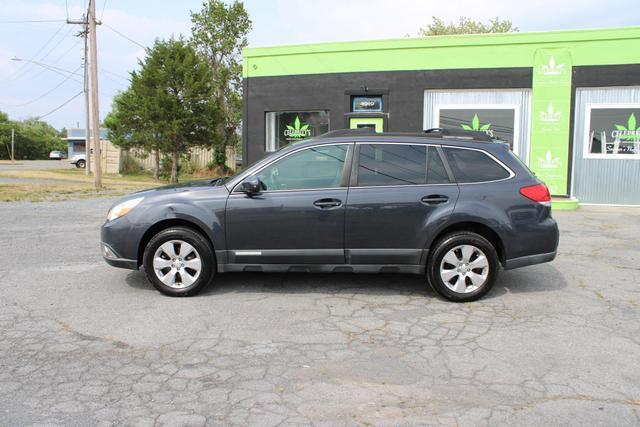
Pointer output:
97, 171
87, 138
91, 140
13, 134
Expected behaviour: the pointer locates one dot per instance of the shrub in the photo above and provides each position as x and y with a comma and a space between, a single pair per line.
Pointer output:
187, 166
129, 165
165, 167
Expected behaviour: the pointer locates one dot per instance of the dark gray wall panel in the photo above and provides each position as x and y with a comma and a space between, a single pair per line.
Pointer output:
327, 92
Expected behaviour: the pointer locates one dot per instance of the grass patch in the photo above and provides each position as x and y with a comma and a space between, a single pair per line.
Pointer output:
78, 175
74, 184
56, 192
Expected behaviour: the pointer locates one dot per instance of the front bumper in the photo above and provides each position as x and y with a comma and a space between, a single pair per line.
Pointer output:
113, 259
119, 243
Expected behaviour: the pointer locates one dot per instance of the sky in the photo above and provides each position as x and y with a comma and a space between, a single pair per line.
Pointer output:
28, 89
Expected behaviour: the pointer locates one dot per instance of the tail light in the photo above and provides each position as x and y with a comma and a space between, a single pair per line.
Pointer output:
538, 193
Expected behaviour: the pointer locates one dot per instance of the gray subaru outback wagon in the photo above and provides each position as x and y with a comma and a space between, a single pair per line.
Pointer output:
453, 206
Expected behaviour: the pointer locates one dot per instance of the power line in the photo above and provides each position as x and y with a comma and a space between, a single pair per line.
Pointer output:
57, 60
56, 45
31, 21
22, 66
104, 70
61, 105
66, 52
47, 92
104, 5
63, 72
26, 68
123, 35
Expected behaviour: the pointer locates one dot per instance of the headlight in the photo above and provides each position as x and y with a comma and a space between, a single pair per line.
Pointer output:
123, 208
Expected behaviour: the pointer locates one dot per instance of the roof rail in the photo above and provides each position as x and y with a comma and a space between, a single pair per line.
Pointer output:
347, 132
431, 133
472, 135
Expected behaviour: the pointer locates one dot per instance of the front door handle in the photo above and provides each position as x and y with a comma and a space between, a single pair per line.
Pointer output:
327, 203
434, 199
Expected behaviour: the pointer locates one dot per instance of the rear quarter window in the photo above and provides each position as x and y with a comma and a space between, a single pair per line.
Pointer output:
470, 166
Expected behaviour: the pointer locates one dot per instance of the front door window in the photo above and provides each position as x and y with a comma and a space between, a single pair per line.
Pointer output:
311, 168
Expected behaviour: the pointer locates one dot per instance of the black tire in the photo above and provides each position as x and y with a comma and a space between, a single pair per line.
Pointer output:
201, 245
446, 244
81, 164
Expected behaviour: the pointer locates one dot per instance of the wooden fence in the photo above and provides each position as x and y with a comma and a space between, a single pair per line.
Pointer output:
199, 157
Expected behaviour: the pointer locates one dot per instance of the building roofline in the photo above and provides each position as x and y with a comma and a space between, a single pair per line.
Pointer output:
630, 32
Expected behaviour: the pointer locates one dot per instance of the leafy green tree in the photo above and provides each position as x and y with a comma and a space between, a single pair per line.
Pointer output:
34, 139
466, 26
5, 135
127, 128
170, 104
219, 33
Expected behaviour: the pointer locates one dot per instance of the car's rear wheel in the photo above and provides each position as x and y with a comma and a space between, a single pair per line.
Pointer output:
463, 266
179, 261
81, 164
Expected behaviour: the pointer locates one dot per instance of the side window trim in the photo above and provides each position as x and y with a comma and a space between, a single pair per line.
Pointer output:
445, 162
486, 153
353, 181
236, 188
347, 168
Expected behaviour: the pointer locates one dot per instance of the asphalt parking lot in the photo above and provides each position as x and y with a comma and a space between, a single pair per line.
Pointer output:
36, 165
82, 343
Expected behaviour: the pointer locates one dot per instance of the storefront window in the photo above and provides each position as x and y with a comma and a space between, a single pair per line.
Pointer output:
498, 123
284, 127
613, 131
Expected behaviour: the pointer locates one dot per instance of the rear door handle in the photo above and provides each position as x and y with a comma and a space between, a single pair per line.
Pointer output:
327, 203
434, 199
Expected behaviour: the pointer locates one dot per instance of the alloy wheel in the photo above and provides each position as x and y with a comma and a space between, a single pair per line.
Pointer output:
464, 269
177, 264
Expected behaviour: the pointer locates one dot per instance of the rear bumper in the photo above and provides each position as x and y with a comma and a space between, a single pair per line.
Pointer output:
529, 260
129, 264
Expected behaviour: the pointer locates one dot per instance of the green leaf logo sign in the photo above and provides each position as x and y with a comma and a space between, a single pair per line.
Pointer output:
297, 130
549, 161
551, 115
629, 132
552, 69
477, 126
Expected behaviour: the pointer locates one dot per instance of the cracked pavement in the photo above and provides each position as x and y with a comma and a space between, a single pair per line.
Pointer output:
82, 343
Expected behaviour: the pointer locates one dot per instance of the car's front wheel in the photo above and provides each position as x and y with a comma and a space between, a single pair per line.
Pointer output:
81, 164
179, 261
463, 266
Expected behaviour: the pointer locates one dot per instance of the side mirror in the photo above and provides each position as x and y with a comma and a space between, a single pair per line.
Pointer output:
251, 185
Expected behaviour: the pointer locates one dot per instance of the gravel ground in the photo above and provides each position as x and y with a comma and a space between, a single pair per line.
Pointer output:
82, 343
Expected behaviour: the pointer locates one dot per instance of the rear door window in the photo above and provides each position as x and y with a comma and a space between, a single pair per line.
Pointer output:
399, 164
470, 166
